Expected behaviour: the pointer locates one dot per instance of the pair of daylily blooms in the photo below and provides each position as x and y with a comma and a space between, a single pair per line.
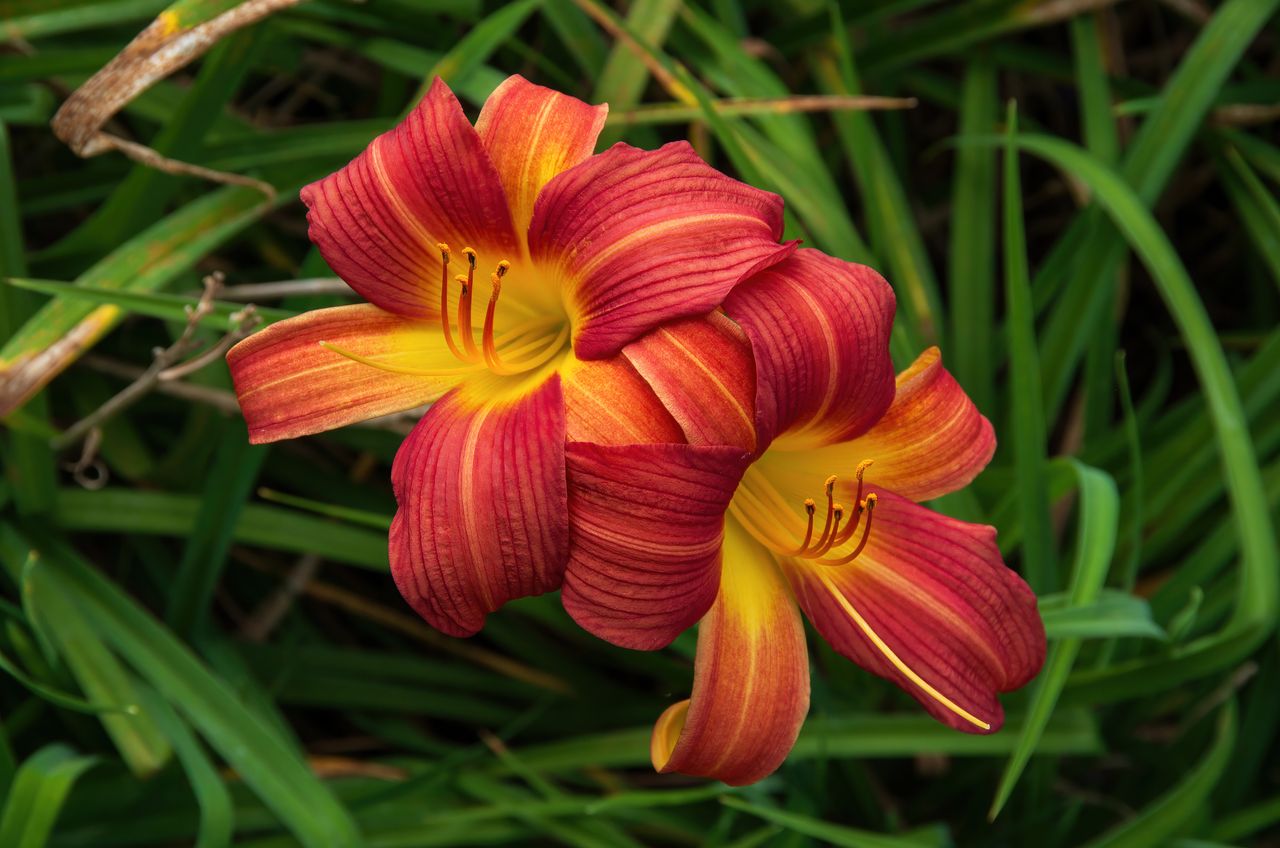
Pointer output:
643, 398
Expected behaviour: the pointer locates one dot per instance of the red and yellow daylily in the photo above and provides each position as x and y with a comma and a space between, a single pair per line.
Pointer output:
798, 489
505, 269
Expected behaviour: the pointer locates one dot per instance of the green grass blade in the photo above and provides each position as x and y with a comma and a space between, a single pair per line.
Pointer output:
1112, 615
145, 263
170, 307
1170, 814
1257, 599
894, 235
235, 468
1146, 166
60, 620
1027, 424
161, 513
30, 470
217, 813
37, 794
971, 270
833, 834
469, 54
265, 761
1095, 546
623, 79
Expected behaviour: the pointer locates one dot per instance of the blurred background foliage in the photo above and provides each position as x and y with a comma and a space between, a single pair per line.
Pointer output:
200, 644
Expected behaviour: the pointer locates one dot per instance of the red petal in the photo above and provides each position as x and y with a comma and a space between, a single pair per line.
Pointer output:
482, 516
533, 133
751, 679
608, 402
930, 606
646, 526
641, 237
289, 386
378, 220
819, 330
932, 441
702, 370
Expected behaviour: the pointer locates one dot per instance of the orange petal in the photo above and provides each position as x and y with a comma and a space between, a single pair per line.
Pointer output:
483, 514
533, 133
931, 441
702, 370
607, 401
819, 330
645, 524
289, 385
930, 606
378, 220
643, 237
751, 678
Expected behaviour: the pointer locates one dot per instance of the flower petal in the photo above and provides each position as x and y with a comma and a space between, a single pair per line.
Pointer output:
931, 606
608, 402
819, 330
645, 524
932, 441
533, 133
482, 516
290, 386
378, 220
751, 677
642, 237
701, 368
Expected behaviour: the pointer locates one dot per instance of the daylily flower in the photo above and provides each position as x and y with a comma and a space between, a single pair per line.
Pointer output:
799, 490
506, 268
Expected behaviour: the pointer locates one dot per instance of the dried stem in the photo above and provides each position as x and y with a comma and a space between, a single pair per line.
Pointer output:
166, 365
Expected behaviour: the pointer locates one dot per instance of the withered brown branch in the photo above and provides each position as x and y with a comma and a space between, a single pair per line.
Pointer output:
159, 50
167, 365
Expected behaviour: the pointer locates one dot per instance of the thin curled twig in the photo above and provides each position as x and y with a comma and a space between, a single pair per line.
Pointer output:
167, 363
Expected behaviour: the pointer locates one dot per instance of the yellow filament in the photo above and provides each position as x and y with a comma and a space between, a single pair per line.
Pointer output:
396, 369
893, 658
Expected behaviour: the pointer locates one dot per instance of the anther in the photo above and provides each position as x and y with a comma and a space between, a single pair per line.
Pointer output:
503, 267
810, 508
444, 251
857, 473
471, 255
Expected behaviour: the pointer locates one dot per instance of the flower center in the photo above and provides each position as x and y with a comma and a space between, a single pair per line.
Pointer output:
757, 506
520, 348
525, 346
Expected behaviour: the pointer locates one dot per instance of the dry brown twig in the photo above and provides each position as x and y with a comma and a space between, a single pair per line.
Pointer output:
167, 364
159, 50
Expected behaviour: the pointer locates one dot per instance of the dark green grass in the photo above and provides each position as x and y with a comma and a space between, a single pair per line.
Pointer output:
209, 651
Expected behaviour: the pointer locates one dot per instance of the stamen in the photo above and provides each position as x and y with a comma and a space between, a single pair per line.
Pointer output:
837, 512
858, 501
490, 348
810, 508
464, 307
868, 506
830, 487
396, 369
445, 324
